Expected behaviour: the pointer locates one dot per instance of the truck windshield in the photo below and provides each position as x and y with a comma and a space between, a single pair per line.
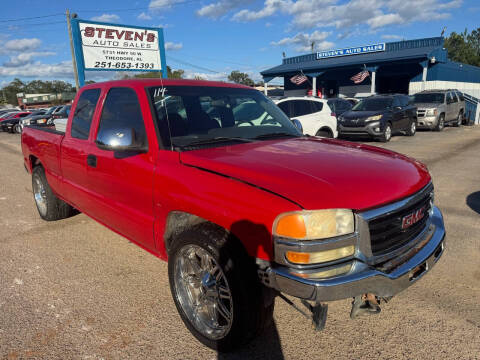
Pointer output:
428, 98
199, 115
375, 104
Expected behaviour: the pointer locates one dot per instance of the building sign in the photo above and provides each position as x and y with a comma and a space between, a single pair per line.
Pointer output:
351, 51
111, 47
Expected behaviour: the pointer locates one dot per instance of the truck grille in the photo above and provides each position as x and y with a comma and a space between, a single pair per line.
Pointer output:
421, 113
386, 231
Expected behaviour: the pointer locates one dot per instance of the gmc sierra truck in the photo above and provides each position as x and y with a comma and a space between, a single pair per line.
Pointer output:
244, 207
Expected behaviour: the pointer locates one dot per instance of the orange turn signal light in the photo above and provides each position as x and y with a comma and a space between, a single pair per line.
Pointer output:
298, 257
292, 226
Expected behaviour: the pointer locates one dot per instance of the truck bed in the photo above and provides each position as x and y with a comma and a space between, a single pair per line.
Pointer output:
43, 143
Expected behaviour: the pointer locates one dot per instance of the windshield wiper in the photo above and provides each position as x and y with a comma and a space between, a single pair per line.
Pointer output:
275, 135
214, 140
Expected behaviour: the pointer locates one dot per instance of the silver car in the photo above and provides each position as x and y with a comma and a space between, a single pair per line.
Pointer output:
437, 108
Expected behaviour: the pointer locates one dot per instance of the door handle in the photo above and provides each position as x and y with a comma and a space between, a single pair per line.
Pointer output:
92, 160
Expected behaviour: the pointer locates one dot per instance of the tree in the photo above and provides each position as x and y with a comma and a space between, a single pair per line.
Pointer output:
464, 47
34, 87
240, 78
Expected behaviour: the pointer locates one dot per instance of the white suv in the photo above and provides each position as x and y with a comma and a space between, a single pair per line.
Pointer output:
315, 115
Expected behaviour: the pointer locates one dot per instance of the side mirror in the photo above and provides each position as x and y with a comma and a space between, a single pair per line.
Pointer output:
397, 108
119, 139
298, 125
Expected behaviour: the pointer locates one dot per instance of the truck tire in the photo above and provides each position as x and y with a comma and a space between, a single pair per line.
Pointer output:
459, 120
49, 206
387, 133
412, 129
441, 123
215, 288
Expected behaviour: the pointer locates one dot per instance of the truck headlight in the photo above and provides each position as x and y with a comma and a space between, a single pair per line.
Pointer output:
316, 224
373, 118
431, 112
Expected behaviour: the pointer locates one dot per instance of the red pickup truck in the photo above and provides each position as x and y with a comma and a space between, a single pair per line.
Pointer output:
214, 178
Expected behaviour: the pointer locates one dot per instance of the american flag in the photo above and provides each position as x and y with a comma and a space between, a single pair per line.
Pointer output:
358, 78
298, 79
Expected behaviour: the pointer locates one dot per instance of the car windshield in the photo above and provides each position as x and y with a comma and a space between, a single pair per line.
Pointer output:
200, 115
51, 110
428, 98
374, 104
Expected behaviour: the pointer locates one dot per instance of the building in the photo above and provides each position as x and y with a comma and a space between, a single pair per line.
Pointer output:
33, 101
396, 67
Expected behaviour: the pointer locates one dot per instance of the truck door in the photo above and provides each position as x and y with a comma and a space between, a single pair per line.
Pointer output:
74, 148
122, 182
449, 113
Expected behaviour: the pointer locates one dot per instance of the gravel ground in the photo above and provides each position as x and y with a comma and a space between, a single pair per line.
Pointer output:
74, 290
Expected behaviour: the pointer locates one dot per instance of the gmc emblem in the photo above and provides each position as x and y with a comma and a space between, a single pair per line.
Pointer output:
413, 218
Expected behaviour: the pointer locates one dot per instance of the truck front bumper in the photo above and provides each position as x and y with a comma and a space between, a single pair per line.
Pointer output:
363, 278
427, 122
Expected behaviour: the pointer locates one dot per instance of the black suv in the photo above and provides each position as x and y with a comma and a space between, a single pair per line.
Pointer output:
380, 116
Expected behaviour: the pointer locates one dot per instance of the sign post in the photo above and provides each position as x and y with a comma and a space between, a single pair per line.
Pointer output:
100, 46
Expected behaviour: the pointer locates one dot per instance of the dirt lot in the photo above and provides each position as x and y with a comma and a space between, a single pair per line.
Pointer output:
73, 289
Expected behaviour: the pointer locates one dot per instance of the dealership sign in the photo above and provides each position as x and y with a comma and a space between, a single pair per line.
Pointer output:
112, 47
351, 51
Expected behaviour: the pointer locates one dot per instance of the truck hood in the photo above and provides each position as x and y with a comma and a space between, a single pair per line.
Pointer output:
317, 173
360, 114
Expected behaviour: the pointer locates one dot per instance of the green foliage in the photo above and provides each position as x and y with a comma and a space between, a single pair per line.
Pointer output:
33, 87
464, 47
240, 78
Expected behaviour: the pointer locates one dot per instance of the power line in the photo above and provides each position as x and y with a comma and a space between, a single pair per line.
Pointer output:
193, 65
31, 18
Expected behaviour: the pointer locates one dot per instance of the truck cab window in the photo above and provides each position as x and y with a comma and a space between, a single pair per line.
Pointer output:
122, 112
82, 118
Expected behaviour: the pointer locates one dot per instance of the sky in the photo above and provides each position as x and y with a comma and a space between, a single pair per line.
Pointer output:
211, 38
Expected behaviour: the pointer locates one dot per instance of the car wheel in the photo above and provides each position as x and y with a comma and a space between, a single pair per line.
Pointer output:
49, 206
387, 134
18, 129
459, 120
324, 133
441, 123
215, 288
412, 129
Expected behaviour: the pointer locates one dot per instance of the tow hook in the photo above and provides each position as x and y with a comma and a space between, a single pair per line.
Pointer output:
366, 304
317, 312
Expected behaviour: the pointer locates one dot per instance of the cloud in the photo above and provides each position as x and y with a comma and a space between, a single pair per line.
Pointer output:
106, 18
19, 45
25, 58
63, 70
220, 8
384, 19
303, 41
144, 16
309, 14
173, 46
163, 26
157, 5
392, 37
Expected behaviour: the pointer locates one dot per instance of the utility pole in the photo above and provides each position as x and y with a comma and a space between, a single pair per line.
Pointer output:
74, 61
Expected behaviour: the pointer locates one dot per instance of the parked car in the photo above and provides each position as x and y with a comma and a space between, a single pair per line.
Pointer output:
4, 112
8, 123
380, 116
34, 113
314, 114
339, 105
61, 112
436, 108
243, 213
39, 119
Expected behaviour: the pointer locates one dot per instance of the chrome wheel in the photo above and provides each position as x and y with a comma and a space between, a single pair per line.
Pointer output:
40, 195
388, 133
441, 123
413, 127
202, 291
